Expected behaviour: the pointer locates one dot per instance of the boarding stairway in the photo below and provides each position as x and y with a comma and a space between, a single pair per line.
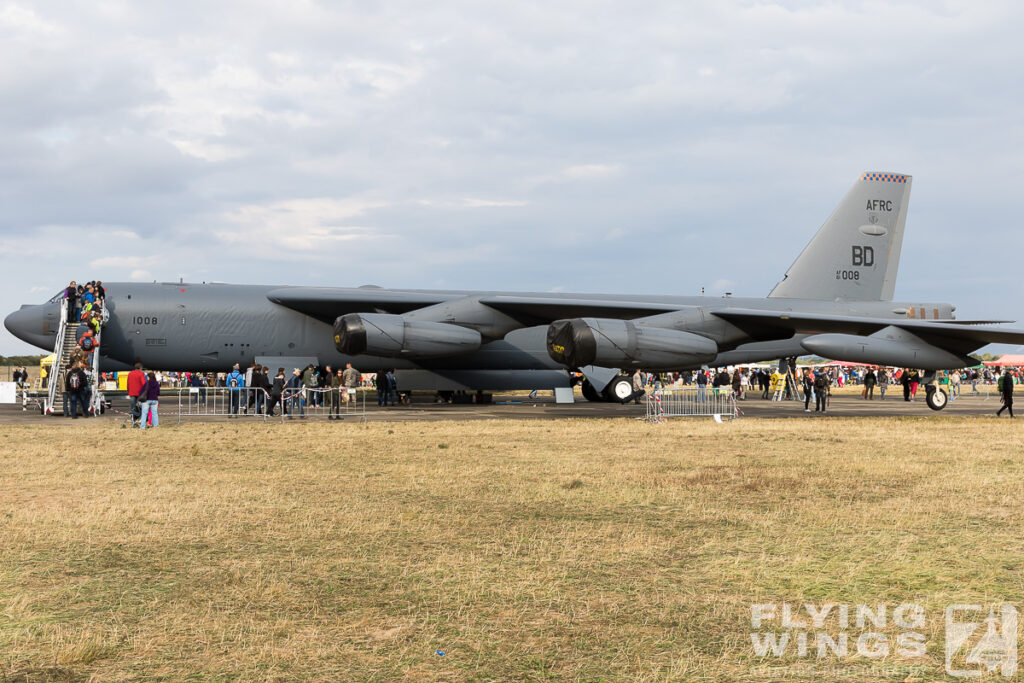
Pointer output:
63, 349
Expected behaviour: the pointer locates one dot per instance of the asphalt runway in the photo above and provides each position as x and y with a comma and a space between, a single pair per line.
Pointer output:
512, 407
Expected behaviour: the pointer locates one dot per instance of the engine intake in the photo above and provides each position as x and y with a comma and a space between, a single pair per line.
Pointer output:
392, 336
579, 342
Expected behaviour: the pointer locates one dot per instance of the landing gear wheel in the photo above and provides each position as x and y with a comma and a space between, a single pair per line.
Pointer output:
936, 398
589, 392
619, 390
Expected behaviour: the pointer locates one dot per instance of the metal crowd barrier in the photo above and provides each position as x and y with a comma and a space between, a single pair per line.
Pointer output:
248, 402
720, 404
322, 403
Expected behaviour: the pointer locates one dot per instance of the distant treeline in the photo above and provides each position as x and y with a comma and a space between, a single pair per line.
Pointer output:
21, 360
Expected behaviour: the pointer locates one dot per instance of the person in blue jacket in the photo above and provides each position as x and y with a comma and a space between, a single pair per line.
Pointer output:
235, 383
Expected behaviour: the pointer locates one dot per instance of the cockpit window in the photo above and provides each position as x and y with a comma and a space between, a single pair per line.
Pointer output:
57, 298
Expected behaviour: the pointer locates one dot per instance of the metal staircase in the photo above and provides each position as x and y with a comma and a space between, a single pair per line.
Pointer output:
64, 347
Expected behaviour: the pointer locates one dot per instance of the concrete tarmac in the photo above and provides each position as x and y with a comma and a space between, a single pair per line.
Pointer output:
520, 407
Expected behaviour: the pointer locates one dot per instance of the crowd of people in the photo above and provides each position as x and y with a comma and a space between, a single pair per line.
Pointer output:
816, 382
250, 392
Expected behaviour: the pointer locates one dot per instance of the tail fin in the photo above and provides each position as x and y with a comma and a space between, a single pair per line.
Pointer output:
856, 253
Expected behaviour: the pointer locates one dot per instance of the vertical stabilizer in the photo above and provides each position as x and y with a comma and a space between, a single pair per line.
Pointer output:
856, 253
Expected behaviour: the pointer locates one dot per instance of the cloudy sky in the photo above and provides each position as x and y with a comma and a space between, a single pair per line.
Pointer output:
650, 147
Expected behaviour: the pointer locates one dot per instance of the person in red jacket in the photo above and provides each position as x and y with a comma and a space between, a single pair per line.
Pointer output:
136, 380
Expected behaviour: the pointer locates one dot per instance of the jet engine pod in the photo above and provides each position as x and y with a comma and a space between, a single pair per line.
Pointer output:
392, 336
579, 342
890, 346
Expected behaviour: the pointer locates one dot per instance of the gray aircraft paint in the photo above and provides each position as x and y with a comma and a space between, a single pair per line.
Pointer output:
210, 327
856, 253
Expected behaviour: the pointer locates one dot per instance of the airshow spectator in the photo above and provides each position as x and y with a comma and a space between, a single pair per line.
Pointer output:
260, 385
915, 381
870, 379
808, 386
337, 389
324, 377
822, 385
136, 380
883, 382
294, 388
392, 385
351, 377
235, 382
198, 382
905, 381
101, 293
702, 386
71, 294
954, 385
276, 389
638, 386
20, 378
1005, 383
88, 344
150, 396
75, 383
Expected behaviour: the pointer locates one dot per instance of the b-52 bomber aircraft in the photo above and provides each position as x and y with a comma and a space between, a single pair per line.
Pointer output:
834, 301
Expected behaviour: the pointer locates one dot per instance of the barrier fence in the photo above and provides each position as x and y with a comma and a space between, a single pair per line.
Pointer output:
255, 403
720, 404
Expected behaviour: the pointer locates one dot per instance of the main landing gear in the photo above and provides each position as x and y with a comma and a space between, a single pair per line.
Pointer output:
619, 390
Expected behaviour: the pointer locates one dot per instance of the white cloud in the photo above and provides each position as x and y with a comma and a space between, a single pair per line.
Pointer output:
522, 146
591, 171
299, 225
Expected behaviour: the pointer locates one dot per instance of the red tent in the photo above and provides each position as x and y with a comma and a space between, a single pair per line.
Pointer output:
1011, 359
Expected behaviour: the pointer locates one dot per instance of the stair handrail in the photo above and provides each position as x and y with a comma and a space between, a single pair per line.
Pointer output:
58, 357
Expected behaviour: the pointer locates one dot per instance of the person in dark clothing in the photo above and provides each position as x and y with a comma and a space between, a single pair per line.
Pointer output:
869, 385
1006, 391
337, 391
276, 389
905, 381
260, 384
764, 381
295, 398
75, 383
71, 294
822, 383
198, 382
382, 388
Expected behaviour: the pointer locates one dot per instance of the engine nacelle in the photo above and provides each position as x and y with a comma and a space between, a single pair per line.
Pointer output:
392, 336
888, 346
608, 343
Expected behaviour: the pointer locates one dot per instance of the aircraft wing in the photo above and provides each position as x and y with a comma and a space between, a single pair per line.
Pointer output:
540, 310
327, 303
954, 336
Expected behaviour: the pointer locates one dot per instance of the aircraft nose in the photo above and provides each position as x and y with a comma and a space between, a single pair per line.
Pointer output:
36, 325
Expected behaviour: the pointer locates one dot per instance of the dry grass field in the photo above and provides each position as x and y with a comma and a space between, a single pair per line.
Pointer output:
562, 550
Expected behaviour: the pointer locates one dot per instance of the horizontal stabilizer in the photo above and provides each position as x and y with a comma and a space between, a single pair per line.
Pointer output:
948, 335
